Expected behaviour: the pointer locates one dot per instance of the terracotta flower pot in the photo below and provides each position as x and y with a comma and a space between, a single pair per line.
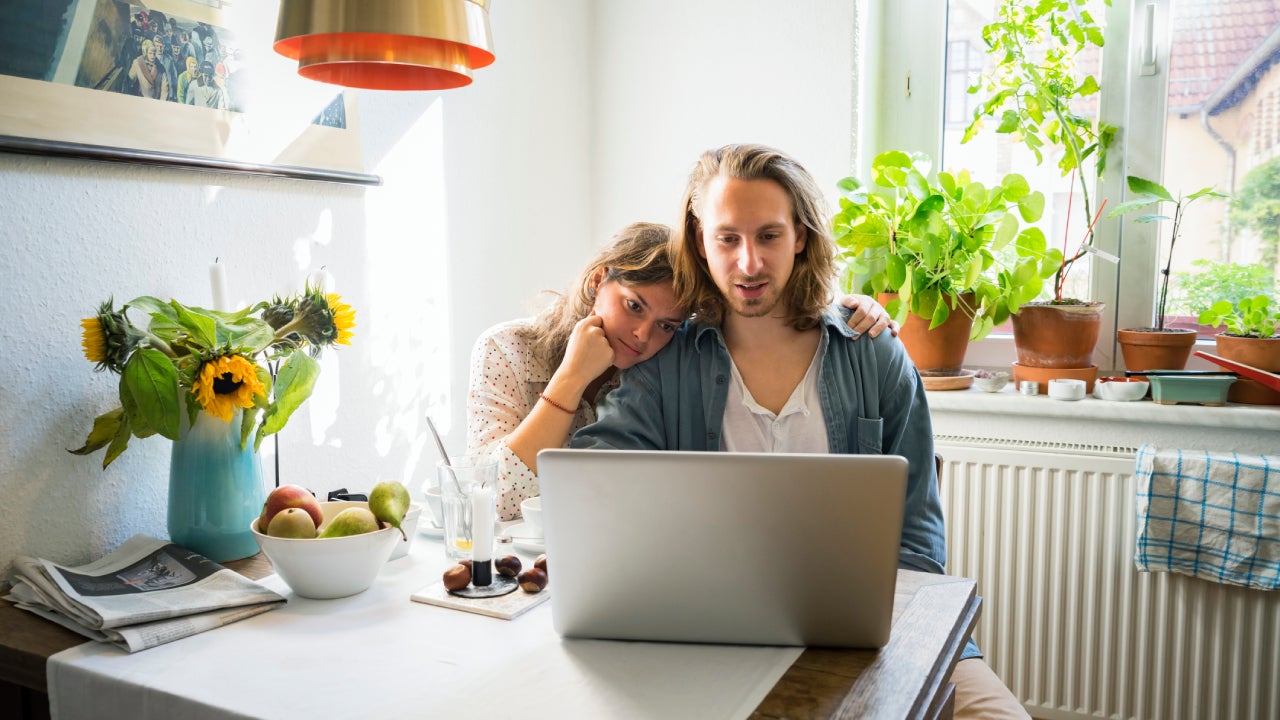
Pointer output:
1056, 336
1262, 353
939, 351
1151, 349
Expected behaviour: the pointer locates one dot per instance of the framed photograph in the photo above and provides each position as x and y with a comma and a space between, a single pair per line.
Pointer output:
184, 83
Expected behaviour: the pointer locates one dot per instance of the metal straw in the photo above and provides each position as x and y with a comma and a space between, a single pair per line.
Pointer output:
444, 454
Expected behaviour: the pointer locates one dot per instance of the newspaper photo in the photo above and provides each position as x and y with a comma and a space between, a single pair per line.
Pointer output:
145, 593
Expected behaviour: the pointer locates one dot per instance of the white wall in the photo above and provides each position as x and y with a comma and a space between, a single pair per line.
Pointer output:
590, 119
483, 206
676, 78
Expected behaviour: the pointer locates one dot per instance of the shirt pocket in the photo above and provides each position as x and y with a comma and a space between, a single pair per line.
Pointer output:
870, 435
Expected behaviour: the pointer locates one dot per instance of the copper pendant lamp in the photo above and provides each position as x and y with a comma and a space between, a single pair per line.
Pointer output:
386, 44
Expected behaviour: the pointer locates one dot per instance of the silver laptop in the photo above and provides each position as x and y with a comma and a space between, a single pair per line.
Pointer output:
713, 547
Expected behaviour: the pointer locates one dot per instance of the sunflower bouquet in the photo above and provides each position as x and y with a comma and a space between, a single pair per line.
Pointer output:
209, 361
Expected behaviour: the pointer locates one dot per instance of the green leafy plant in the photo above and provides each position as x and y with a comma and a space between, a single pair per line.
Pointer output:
930, 240
209, 361
1211, 281
1149, 193
1250, 317
1031, 88
1257, 207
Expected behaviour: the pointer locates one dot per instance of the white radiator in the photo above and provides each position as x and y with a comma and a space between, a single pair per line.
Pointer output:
1074, 630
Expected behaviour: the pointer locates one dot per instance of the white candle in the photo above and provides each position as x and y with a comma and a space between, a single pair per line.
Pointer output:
218, 281
482, 524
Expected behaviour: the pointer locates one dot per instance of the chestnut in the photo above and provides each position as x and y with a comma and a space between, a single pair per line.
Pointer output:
540, 562
508, 565
532, 580
457, 577
465, 563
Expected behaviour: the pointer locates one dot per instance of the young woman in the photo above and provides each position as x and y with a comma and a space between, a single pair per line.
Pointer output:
534, 382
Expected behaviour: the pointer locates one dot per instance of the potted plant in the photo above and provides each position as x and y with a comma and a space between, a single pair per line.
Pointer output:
1250, 338
1158, 347
934, 243
1029, 91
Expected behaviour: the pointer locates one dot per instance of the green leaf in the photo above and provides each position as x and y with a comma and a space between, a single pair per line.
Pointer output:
1015, 187
152, 380
201, 327
118, 443
1202, 192
940, 314
1031, 242
137, 422
848, 184
1005, 232
896, 271
294, 381
1009, 122
1132, 205
1031, 207
105, 427
154, 306
1146, 187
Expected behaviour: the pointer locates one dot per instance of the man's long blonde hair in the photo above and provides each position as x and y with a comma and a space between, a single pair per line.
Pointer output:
809, 288
637, 255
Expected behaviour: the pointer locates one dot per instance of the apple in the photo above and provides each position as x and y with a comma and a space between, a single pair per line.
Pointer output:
287, 496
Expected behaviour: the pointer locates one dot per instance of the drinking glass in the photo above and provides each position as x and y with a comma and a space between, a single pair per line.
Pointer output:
457, 482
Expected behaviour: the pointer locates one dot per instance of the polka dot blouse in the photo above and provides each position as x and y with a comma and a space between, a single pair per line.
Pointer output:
506, 380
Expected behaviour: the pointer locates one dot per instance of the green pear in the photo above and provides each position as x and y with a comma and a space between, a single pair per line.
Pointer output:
292, 523
389, 502
352, 521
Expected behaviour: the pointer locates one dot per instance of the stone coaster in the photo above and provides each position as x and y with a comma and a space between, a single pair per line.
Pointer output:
501, 585
505, 607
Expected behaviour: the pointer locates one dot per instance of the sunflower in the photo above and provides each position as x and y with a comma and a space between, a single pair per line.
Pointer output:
225, 383
94, 341
108, 338
320, 319
344, 318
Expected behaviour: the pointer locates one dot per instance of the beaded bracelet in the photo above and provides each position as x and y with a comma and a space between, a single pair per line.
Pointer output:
555, 404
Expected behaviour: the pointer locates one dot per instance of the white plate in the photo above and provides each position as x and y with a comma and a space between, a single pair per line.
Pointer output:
514, 531
428, 528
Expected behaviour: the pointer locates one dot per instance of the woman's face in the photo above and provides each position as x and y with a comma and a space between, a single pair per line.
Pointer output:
639, 320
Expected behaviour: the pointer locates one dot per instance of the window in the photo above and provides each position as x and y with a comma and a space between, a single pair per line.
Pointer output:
1209, 115
964, 65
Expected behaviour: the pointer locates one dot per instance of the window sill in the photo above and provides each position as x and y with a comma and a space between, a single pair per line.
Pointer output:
1102, 424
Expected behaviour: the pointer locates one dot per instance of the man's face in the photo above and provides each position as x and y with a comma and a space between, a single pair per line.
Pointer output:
177, 51
750, 242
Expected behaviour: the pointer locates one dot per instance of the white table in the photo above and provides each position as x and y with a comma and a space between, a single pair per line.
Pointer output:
378, 654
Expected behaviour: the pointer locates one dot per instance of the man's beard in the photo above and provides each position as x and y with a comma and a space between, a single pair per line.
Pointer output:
751, 307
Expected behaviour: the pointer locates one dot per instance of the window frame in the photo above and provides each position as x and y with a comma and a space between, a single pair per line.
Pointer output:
1127, 94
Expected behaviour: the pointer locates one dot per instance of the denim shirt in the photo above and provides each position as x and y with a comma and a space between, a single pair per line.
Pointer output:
872, 400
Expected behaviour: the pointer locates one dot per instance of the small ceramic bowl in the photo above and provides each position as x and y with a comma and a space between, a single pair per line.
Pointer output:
531, 511
994, 383
329, 567
1066, 389
1120, 389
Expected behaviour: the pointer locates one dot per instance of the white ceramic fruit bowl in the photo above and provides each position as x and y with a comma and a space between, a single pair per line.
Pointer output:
330, 567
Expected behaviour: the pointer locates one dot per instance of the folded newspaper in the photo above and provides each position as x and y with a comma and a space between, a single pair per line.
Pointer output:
146, 592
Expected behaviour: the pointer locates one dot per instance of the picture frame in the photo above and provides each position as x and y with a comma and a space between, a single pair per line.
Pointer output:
100, 80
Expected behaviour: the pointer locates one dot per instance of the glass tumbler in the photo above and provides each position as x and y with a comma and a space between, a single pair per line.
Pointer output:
457, 481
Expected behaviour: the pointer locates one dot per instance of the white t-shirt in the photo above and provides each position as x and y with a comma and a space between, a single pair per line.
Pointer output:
799, 428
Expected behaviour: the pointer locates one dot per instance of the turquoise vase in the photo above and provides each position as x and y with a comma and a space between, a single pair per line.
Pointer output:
215, 489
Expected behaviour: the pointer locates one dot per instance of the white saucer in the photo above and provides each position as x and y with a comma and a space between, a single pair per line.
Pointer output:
531, 546
427, 528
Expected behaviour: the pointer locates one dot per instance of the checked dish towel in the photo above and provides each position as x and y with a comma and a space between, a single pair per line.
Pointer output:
1213, 515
